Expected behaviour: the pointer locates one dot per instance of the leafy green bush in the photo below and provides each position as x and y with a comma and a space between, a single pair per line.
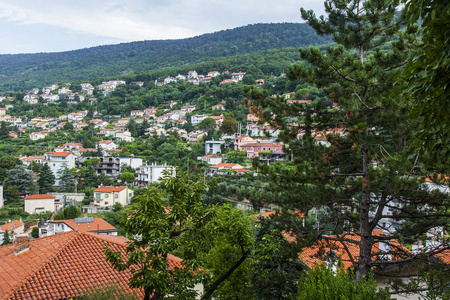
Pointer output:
322, 284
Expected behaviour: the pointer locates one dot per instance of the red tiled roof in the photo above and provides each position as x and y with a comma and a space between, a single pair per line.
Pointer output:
223, 165
11, 225
61, 154
317, 253
110, 189
62, 266
40, 196
98, 224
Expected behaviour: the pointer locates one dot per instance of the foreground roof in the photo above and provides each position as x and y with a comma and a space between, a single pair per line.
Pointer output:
62, 266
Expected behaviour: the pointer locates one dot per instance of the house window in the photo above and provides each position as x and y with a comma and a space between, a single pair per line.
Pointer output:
98, 196
116, 196
129, 195
106, 196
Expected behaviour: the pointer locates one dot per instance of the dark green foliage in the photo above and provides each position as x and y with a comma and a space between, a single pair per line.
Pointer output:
46, 180
4, 131
6, 238
424, 81
7, 163
114, 60
71, 212
277, 268
67, 180
322, 283
371, 167
20, 177
229, 126
108, 292
35, 232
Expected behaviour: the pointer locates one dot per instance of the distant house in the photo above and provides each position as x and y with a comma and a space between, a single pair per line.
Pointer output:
213, 73
34, 136
210, 159
60, 160
107, 196
237, 76
219, 107
152, 173
252, 118
196, 119
253, 149
136, 113
192, 75
14, 227
226, 81
124, 135
86, 224
226, 169
107, 145
35, 204
213, 147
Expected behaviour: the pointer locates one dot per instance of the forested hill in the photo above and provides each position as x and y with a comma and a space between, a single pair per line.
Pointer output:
25, 71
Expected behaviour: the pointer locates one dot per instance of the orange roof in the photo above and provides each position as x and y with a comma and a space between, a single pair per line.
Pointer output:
317, 253
110, 189
211, 155
98, 224
241, 170
223, 165
61, 154
11, 225
267, 214
40, 196
62, 266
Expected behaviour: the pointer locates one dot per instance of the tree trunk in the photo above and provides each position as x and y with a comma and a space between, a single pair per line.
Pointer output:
365, 245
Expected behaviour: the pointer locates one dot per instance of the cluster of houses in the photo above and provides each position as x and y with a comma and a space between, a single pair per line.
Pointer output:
195, 78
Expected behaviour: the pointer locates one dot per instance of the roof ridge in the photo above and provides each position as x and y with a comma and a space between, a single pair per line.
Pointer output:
44, 263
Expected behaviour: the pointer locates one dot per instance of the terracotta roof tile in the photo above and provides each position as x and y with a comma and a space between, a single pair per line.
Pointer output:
62, 266
98, 224
11, 225
110, 189
40, 196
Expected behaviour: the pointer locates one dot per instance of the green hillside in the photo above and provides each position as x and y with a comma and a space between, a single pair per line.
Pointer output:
24, 71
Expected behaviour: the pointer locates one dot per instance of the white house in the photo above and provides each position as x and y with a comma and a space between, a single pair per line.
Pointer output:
213, 147
60, 160
107, 196
107, 145
196, 119
86, 224
152, 173
40, 203
211, 159
124, 135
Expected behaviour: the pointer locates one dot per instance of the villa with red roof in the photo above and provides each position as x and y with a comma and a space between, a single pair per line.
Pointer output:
107, 196
85, 224
226, 169
40, 203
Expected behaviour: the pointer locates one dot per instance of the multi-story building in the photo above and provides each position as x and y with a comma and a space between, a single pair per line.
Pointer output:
153, 173
60, 160
108, 196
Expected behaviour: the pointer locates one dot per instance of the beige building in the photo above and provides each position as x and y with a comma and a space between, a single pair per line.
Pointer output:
40, 203
107, 196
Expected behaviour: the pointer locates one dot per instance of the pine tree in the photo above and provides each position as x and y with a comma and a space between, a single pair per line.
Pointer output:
66, 179
367, 178
46, 179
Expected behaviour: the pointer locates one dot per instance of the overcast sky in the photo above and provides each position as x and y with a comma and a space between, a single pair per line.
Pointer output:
31, 26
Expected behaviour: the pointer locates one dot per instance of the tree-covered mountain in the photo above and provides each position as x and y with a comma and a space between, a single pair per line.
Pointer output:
25, 71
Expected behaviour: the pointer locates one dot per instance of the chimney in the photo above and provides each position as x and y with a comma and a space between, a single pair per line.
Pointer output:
22, 244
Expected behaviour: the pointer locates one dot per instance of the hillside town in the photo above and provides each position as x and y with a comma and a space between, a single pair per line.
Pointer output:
244, 164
